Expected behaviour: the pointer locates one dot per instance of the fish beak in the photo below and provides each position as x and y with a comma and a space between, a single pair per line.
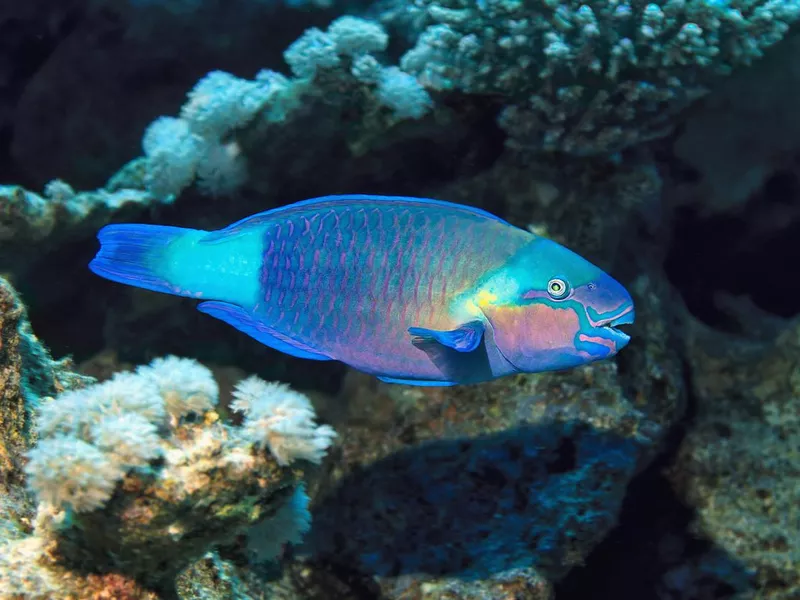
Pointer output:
609, 326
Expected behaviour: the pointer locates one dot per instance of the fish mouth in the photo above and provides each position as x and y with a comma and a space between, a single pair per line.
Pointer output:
609, 327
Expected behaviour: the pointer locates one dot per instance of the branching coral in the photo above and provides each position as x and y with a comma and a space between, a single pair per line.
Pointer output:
201, 145
138, 476
26, 216
591, 77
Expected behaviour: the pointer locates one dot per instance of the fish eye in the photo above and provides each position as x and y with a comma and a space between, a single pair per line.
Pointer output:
557, 288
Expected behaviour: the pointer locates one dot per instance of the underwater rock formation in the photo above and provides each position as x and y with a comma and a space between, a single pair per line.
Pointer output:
739, 466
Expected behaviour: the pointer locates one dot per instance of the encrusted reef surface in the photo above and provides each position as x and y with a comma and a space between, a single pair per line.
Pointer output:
740, 464
151, 465
27, 375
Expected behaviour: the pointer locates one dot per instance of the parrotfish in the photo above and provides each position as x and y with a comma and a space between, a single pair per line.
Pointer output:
410, 290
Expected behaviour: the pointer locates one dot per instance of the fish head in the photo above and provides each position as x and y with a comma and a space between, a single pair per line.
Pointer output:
551, 309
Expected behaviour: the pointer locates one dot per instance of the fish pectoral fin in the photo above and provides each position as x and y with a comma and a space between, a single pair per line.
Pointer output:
245, 322
418, 382
464, 339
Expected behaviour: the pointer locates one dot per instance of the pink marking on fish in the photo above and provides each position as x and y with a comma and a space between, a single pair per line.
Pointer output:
332, 304
409, 266
351, 229
339, 236
598, 340
368, 231
404, 314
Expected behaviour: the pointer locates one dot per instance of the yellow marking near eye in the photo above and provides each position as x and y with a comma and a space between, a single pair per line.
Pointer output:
485, 298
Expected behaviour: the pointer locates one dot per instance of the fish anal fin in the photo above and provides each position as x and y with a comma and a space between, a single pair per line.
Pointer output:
244, 321
417, 382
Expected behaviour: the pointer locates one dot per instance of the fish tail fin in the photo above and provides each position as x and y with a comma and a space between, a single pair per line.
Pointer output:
138, 255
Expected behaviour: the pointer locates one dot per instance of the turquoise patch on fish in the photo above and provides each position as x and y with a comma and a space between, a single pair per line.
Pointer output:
410, 290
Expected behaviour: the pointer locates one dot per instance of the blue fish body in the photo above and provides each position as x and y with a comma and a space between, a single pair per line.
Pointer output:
411, 290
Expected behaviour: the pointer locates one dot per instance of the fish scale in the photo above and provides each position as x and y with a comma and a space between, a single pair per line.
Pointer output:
416, 289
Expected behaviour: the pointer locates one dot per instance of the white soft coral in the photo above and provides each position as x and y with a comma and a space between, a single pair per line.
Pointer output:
282, 419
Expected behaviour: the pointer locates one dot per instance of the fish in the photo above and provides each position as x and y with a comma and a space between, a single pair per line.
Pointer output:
410, 290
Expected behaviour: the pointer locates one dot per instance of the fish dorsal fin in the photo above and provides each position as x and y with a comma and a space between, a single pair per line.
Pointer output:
324, 201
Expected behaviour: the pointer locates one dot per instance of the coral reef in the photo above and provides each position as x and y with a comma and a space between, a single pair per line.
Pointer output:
138, 477
202, 143
168, 481
28, 375
28, 217
591, 78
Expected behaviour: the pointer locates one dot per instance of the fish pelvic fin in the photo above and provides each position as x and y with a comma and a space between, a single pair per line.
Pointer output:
138, 255
464, 339
461, 355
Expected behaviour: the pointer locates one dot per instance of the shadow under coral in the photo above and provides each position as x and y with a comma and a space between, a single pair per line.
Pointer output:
536, 495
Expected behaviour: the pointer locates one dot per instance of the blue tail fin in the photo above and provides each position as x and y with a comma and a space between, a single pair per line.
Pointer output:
135, 254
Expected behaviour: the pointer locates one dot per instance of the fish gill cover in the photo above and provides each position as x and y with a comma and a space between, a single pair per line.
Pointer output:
162, 454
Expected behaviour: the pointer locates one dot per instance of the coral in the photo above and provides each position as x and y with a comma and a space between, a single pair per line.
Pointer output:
28, 217
66, 470
28, 375
203, 144
356, 37
282, 420
312, 51
739, 466
591, 78
403, 94
194, 145
139, 477
288, 525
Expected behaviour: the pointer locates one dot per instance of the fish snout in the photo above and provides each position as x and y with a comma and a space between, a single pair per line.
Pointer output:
609, 326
